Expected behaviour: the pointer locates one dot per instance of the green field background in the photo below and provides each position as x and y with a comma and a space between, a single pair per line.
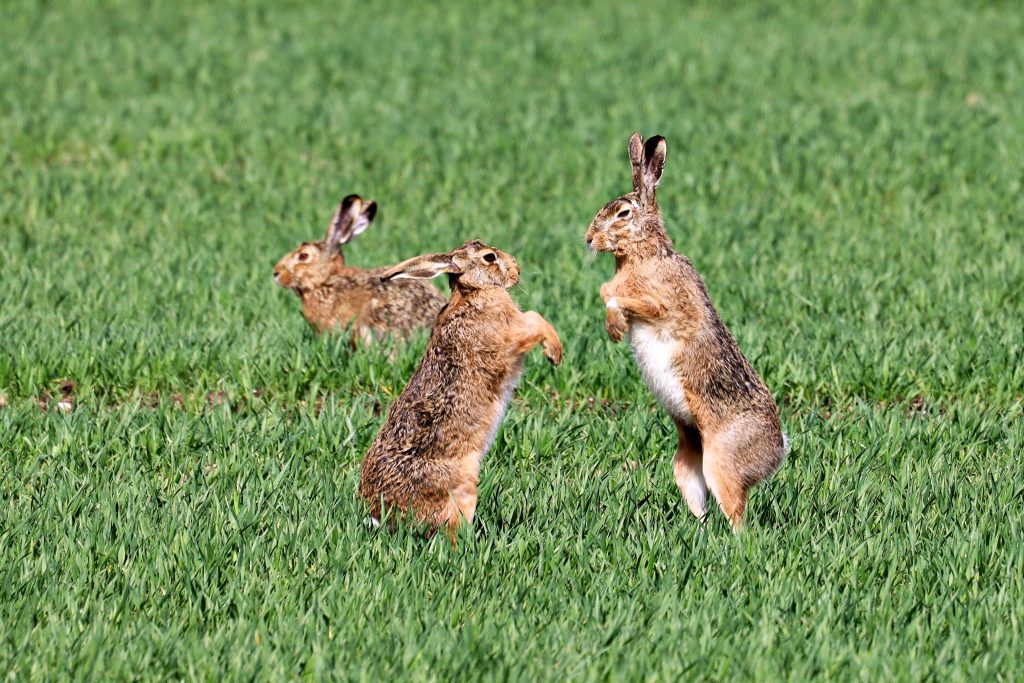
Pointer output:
848, 177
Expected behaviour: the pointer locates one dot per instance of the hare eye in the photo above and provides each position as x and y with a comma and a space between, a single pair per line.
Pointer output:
624, 213
303, 256
490, 258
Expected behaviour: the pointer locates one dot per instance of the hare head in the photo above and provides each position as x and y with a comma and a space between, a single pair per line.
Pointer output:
474, 265
311, 262
632, 218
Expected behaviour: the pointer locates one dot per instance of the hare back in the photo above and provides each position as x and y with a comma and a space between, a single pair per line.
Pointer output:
361, 298
450, 408
724, 380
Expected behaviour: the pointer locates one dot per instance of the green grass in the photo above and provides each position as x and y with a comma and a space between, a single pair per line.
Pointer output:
847, 176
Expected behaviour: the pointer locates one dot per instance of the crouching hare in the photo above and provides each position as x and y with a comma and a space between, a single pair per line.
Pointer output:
335, 295
425, 461
728, 424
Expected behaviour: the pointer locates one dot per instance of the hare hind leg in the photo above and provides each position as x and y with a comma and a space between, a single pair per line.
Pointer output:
689, 471
738, 458
727, 486
461, 506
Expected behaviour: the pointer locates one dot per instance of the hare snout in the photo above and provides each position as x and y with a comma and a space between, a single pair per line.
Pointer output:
283, 276
598, 240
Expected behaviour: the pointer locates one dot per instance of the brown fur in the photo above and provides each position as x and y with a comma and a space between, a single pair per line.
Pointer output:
425, 461
335, 295
730, 437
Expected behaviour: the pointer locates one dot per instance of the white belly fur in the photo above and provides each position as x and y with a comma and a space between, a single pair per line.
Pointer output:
655, 356
500, 405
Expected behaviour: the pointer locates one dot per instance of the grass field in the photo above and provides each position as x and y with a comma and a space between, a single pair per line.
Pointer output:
848, 177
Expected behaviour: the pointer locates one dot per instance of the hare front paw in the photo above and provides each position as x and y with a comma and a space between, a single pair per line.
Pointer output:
553, 350
615, 321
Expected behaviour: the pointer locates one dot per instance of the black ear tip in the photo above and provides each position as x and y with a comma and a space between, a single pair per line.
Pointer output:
652, 145
348, 201
370, 209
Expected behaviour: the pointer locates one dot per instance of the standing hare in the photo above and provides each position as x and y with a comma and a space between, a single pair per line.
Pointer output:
425, 461
729, 432
336, 295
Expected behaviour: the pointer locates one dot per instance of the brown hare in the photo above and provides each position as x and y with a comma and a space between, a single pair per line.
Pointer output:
728, 424
335, 295
425, 461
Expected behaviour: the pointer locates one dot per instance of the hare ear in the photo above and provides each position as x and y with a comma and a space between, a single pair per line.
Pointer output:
422, 268
340, 229
362, 220
636, 159
654, 165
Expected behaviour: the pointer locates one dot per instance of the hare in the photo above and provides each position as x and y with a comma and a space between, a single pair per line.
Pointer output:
335, 295
425, 461
728, 424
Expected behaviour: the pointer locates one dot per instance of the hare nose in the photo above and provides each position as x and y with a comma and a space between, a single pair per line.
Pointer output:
276, 272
